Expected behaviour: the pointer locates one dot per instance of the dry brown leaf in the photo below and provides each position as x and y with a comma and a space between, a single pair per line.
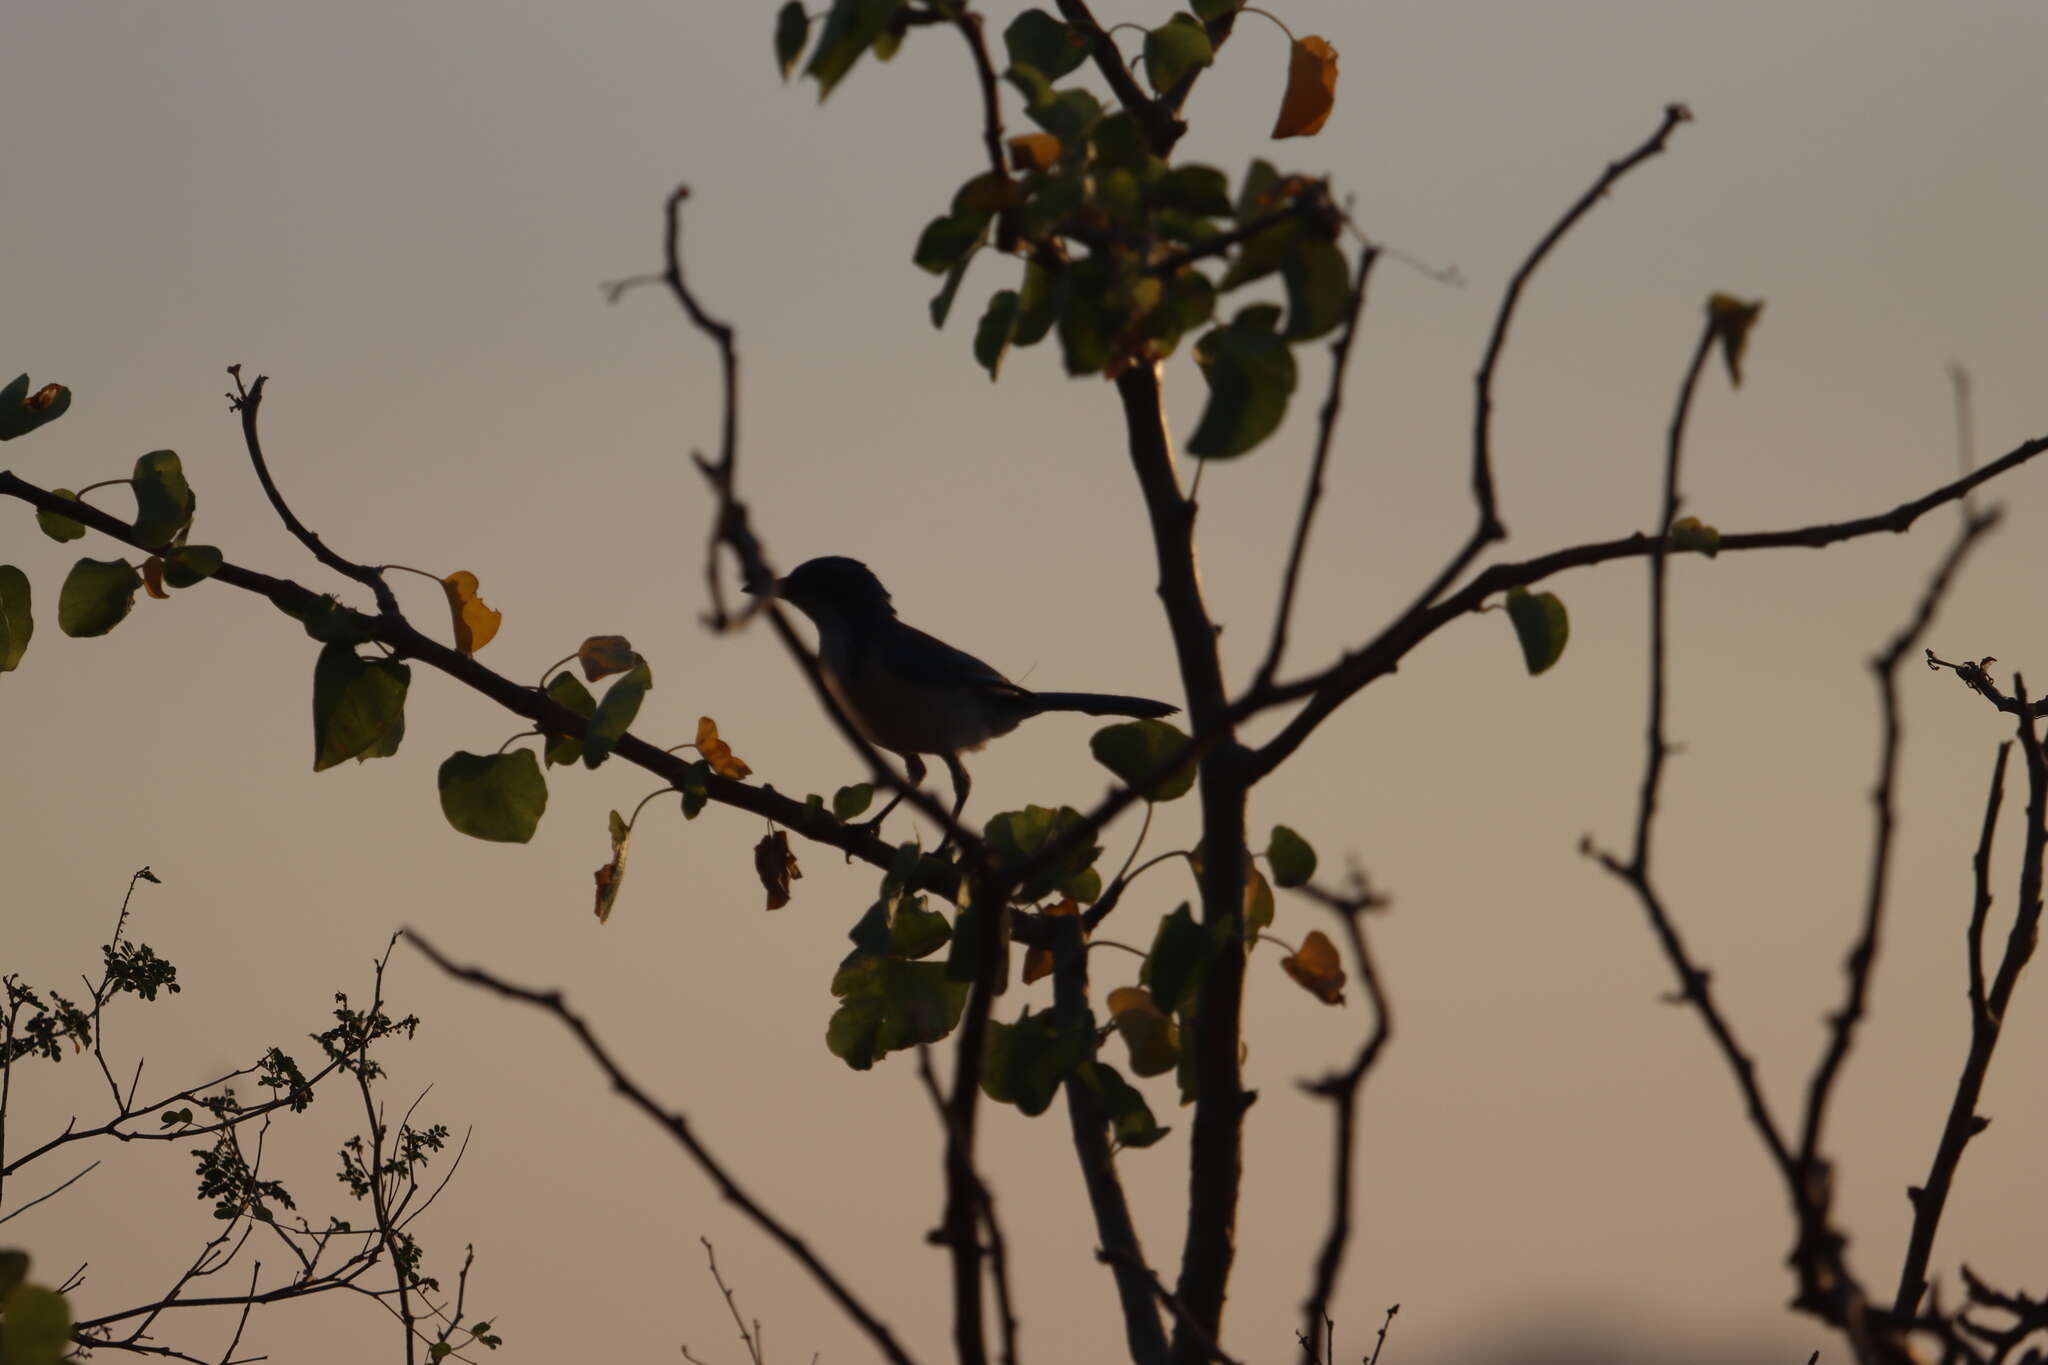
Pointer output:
1311, 88
475, 623
614, 872
1151, 1036
1316, 968
1731, 320
604, 655
776, 866
1038, 961
1034, 152
718, 753
153, 577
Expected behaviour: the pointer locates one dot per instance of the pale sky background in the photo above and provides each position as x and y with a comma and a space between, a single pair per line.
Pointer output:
402, 215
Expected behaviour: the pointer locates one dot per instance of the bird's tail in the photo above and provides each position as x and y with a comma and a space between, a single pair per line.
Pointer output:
1101, 704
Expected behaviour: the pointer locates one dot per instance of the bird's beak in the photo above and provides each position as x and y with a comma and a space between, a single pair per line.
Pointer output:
762, 587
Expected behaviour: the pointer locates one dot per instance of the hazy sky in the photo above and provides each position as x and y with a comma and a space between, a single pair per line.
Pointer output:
402, 214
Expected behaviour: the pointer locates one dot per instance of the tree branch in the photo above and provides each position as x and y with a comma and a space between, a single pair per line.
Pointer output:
678, 1128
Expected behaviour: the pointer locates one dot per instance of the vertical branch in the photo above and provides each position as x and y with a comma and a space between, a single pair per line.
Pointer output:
1695, 984
1215, 1156
1326, 430
1341, 1089
1114, 1226
1862, 959
1930, 1198
1988, 1008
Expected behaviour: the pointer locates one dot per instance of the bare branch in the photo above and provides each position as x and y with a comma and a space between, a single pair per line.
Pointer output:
1326, 431
678, 1128
1341, 1089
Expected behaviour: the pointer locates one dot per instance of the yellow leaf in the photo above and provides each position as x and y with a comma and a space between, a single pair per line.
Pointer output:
1311, 89
1034, 152
614, 872
718, 753
475, 623
1731, 319
776, 866
604, 655
1038, 961
153, 577
1317, 969
1153, 1039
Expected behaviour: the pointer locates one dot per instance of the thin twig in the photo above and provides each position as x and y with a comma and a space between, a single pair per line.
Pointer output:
1341, 1089
1326, 431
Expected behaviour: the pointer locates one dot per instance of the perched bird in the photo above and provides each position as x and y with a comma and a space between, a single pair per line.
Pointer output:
909, 693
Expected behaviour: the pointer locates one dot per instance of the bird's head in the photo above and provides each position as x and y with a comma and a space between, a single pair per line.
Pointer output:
834, 585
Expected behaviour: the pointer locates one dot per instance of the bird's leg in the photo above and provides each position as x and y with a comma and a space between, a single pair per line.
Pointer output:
961, 782
914, 768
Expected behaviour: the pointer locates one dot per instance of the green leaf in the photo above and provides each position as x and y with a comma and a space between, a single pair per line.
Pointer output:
1262, 254
1540, 624
1135, 749
1179, 961
499, 797
568, 690
35, 1326
1318, 288
942, 302
13, 1270
328, 621
1130, 1118
1069, 115
1038, 40
358, 706
1216, 9
1036, 1057
946, 242
963, 961
992, 333
17, 624
1090, 319
614, 715
1187, 302
916, 931
1255, 194
22, 412
1017, 835
96, 596
792, 31
1690, 533
851, 27
1250, 373
57, 526
1195, 189
163, 500
848, 802
1039, 301
1120, 144
889, 1006
696, 788
185, 565
1293, 861
1177, 48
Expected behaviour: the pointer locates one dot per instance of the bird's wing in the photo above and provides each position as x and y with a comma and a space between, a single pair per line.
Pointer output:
920, 658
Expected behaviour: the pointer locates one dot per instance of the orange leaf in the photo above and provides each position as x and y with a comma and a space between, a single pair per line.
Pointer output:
1311, 89
718, 753
776, 866
1038, 961
1034, 152
153, 577
1316, 968
475, 623
604, 655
